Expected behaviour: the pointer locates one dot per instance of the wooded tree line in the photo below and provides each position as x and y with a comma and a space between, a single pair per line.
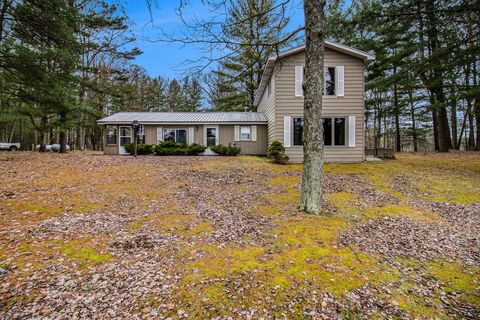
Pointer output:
56, 79
65, 64
423, 89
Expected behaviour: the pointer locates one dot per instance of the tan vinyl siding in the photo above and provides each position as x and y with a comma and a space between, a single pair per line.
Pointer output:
109, 148
267, 106
258, 147
349, 105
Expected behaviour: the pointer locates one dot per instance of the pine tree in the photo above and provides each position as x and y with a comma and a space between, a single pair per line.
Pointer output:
194, 95
42, 63
241, 72
175, 101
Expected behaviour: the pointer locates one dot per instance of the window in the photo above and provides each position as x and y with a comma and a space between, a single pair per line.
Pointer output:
245, 133
339, 131
141, 134
111, 134
329, 84
327, 131
176, 135
297, 131
333, 131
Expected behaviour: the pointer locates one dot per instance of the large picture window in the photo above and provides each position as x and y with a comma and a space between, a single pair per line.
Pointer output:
111, 134
334, 131
176, 135
329, 84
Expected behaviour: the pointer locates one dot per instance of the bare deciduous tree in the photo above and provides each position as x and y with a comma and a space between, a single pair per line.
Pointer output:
217, 45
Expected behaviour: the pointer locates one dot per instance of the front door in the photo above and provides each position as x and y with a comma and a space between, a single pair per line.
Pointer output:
211, 136
125, 137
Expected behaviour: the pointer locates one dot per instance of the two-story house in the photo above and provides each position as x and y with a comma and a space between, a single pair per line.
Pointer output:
279, 102
280, 98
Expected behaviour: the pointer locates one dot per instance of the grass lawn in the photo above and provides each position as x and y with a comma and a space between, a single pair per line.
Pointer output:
94, 236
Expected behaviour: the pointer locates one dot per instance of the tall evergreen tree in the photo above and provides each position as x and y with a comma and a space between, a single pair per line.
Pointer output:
241, 72
175, 99
42, 63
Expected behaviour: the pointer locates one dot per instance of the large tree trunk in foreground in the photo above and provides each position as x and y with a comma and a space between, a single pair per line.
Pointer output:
312, 186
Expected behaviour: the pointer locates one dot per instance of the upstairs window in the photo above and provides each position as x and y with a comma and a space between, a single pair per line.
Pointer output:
329, 85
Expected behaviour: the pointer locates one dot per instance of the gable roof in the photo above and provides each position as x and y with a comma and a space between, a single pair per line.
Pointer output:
184, 117
269, 66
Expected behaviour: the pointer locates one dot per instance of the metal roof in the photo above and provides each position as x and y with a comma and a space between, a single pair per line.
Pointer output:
269, 66
184, 117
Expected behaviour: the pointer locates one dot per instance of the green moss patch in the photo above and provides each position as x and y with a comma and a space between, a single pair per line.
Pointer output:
401, 210
83, 253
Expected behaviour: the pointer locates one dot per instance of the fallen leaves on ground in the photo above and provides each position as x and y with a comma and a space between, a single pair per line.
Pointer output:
85, 235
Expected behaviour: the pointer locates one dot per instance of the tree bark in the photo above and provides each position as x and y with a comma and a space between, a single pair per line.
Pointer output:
414, 124
312, 186
453, 116
471, 135
62, 134
462, 129
43, 135
436, 83
476, 106
398, 142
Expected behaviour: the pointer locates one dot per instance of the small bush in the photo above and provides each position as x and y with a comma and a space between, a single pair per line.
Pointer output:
276, 152
226, 150
170, 148
142, 149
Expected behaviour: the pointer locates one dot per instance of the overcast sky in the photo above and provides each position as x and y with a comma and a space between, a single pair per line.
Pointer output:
166, 59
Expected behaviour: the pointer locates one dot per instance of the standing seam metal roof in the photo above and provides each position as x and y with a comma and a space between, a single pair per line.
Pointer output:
183, 117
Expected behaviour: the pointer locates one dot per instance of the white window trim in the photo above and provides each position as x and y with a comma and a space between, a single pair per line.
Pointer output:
287, 131
299, 75
159, 135
340, 81
163, 133
351, 131
249, 133
253, 134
